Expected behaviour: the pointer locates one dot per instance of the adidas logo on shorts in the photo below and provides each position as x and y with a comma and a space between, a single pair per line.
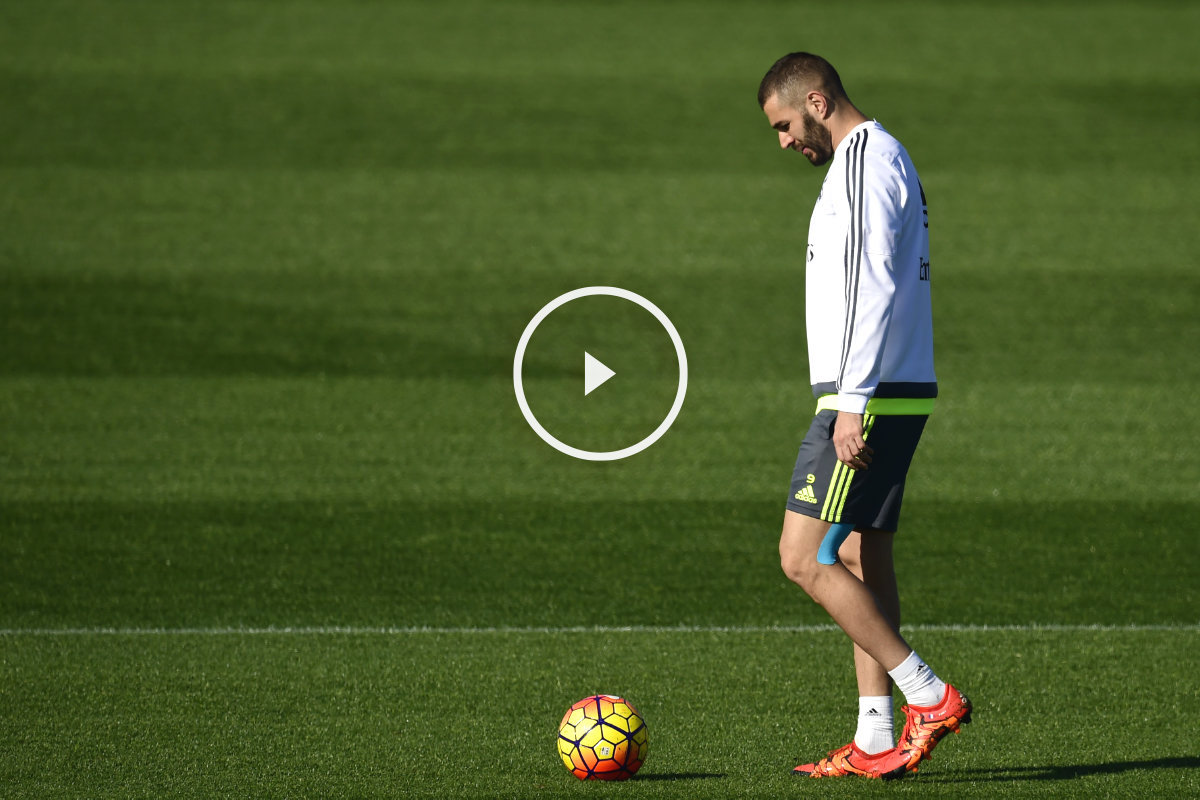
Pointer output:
807, 495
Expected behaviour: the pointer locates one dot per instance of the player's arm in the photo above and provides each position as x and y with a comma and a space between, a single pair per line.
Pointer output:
877, 202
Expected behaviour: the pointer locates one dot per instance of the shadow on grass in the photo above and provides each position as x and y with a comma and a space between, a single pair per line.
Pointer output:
1066, 772
677, 776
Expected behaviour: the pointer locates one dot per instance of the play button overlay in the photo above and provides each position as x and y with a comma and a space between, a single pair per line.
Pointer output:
594, 373
621, 335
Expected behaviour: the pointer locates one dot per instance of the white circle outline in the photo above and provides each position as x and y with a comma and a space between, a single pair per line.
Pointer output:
599, 455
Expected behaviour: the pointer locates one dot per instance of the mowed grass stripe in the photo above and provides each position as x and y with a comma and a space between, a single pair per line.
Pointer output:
340, 630
475, 716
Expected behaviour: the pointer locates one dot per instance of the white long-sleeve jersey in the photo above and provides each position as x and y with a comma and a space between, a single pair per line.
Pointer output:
868, 308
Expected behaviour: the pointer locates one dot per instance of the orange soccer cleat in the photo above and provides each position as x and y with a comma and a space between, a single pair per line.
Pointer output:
924, 726
849, 760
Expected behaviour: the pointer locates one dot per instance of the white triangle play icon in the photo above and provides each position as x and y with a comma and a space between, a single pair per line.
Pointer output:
594, 373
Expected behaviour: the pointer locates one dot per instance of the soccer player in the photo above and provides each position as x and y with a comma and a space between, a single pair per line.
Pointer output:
870, 353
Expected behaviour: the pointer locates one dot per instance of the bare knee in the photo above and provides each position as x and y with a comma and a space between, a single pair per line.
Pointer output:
798, 547
801, 569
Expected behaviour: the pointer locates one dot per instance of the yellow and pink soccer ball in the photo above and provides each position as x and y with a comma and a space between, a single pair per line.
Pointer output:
602, 738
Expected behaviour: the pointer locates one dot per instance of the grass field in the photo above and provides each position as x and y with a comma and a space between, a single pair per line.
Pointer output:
271, 521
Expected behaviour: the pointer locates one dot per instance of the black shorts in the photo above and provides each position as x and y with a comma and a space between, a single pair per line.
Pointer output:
827, 489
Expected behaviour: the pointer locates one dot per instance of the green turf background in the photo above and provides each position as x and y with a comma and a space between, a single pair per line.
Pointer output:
263, 267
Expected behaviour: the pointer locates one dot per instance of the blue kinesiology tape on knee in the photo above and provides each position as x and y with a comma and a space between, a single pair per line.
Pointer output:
832, 542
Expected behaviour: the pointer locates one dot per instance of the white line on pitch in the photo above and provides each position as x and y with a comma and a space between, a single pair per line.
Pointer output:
597, 629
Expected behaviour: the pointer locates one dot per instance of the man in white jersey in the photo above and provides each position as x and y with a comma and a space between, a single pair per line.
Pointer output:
870, 353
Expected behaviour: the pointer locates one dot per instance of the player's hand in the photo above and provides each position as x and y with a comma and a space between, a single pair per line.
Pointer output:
852, 450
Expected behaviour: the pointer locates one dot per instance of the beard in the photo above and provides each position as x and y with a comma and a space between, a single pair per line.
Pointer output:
817, 142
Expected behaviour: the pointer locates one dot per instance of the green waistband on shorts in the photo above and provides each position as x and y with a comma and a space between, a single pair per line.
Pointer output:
884, 406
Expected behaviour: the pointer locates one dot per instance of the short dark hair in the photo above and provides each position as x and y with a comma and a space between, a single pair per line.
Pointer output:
797, 74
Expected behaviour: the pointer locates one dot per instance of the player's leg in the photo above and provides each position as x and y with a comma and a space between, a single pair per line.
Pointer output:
854, 608
868, 555
847, 599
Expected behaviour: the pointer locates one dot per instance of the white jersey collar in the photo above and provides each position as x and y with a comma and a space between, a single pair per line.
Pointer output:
849, 137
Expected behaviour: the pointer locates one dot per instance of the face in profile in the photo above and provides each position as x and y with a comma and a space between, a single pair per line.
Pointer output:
800, 131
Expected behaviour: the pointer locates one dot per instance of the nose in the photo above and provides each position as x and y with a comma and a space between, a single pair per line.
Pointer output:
785, 140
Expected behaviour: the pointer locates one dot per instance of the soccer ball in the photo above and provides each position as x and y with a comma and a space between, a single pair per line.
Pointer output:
602, 738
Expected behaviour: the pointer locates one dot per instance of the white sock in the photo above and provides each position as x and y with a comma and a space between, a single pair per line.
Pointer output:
876, 729
921, 687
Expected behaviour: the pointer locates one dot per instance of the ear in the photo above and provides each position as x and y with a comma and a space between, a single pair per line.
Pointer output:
819, 105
